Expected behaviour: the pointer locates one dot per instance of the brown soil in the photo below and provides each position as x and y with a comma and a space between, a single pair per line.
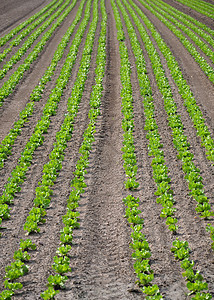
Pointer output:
102, 266
193, 13
210, 1
14, 12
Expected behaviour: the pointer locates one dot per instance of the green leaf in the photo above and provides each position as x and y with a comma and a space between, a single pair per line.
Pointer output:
50, 293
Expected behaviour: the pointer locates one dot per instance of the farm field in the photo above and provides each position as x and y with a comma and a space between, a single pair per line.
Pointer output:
107, 149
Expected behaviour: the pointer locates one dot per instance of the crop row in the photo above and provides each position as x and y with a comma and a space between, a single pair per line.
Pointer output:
8, 87
204, 4
141, 250
179, 139
18, 55
199, 123
17, 269
195, 281
28, 30
18, 174
52, 168
13, 32
192, 173
165, 16
186, 93
70, 219
160, 170
188, 17
35, 96
204, 65
187, 21
200, 6
183, 88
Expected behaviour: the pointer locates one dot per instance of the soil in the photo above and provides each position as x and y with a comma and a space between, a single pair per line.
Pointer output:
193, 13
14, 12
101, 259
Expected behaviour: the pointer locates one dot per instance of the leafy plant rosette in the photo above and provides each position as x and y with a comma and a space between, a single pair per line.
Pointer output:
141, 250
70, 220
195, 281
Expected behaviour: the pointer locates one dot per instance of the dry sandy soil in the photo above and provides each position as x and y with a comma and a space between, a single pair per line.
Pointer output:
102, 266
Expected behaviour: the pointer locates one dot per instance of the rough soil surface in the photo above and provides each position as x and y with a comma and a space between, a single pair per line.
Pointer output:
101, 262
14, 12
193, 13
102, 266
